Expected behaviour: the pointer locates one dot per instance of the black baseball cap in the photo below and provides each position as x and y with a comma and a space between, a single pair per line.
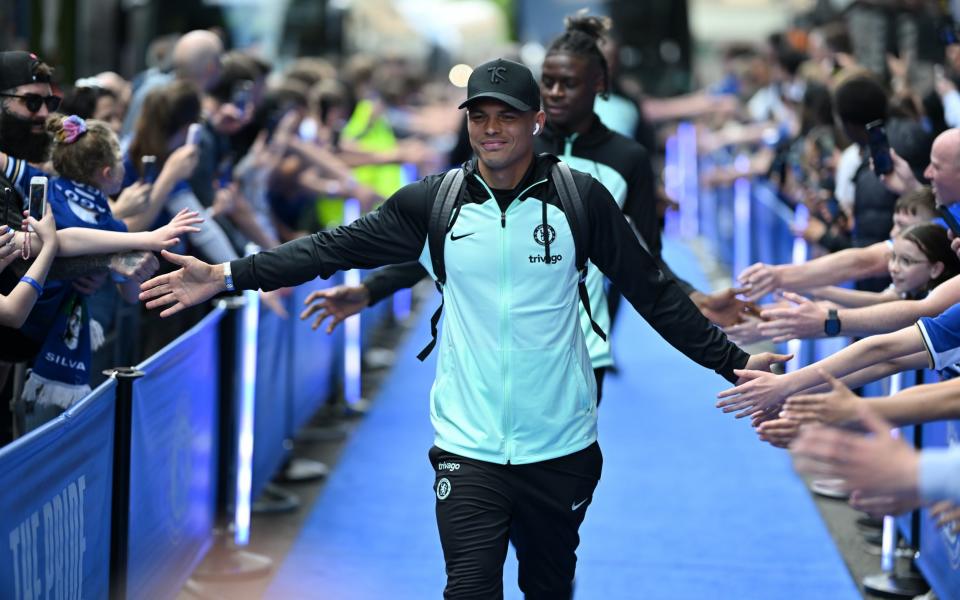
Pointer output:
19, 68
506, 81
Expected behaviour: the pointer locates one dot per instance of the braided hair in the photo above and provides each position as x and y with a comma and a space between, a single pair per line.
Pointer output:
582, 38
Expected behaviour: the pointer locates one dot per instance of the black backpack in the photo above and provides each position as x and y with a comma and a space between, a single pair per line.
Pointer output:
443, 216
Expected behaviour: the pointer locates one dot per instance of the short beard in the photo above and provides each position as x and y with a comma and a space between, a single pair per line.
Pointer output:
18, 139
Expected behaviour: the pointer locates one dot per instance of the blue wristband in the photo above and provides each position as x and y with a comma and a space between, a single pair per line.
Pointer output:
33, 283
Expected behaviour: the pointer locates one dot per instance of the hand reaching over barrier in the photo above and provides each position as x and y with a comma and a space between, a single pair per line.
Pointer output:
338, 303
779, 432
947, 514
881, 471
138, 265
194, 282
746, 331
838, 406
76, 241
757, 390
803, 321
760, 279
723, 308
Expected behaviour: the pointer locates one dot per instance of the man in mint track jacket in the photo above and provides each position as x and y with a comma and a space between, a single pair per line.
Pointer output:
514, 401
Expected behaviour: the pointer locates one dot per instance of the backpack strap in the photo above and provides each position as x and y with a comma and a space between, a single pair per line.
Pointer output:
572, 204
448, 197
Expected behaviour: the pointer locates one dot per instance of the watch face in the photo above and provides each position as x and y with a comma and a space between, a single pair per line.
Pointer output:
831, 326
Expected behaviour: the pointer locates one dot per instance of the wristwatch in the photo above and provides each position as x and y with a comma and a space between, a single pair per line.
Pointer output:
228, 277
831, 326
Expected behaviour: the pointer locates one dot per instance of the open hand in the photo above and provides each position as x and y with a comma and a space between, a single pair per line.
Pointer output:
337, 302
805, 320
138, 265
723, 308
746, 331
836, 407
194, 282
759, 279
779, 432
755, 392
947, 515
169, 235
874, 466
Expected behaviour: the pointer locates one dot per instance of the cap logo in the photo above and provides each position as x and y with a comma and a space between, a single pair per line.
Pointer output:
497, 74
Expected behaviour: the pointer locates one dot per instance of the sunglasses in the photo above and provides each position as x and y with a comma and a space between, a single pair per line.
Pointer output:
33, 102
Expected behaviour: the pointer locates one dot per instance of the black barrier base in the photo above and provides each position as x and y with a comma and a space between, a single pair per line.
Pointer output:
227, 564
303, 470
275, 500
356, 409
325, 433
889, 585
901, 551
829, 488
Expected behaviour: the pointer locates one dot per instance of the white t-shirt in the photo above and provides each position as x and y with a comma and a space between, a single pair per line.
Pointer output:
844, 189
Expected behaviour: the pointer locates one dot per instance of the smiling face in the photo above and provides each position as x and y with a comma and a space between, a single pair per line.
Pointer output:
944, 169
501, 136
909, 268
569, 85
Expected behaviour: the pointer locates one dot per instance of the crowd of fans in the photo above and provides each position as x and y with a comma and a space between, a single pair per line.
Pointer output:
214, 150
205, 154
874, 155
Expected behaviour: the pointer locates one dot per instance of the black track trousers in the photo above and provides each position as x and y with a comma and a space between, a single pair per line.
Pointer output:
540, 506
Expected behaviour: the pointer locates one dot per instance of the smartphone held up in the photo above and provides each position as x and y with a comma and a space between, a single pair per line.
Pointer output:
879, 148
149, 163
37, 199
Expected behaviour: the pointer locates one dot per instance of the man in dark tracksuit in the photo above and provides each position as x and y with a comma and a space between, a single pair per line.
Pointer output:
513, 404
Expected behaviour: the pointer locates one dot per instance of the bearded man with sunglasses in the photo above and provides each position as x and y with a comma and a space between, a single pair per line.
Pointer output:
27, 98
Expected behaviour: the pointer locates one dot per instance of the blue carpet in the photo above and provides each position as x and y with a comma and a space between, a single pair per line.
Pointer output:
690, 504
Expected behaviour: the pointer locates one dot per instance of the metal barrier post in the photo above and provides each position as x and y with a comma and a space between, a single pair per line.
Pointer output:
741, 218
799, 256
120, 496
888, 583
689, 182
238, 339
351, 327
671, 183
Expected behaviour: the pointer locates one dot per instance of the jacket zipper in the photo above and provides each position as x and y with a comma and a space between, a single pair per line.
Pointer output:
508, 446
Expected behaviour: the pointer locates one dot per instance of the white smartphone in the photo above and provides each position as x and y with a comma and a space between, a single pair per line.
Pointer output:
38, 197
193, 133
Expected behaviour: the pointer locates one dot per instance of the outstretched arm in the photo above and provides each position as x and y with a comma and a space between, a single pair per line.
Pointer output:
78, 241
615, 250
393, 234
343, 301
767, 390
806, 320
846, 265
918, 404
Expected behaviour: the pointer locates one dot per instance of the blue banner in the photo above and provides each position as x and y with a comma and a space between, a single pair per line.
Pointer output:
173, 462
313, 359
939, 549
55, 506
272, 395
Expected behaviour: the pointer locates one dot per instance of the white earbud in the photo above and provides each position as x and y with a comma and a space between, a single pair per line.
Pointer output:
536, 128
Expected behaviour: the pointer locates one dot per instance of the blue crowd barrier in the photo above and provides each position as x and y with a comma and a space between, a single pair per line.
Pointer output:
55, 509
173, 462
939, 559
272, 396
313, 355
